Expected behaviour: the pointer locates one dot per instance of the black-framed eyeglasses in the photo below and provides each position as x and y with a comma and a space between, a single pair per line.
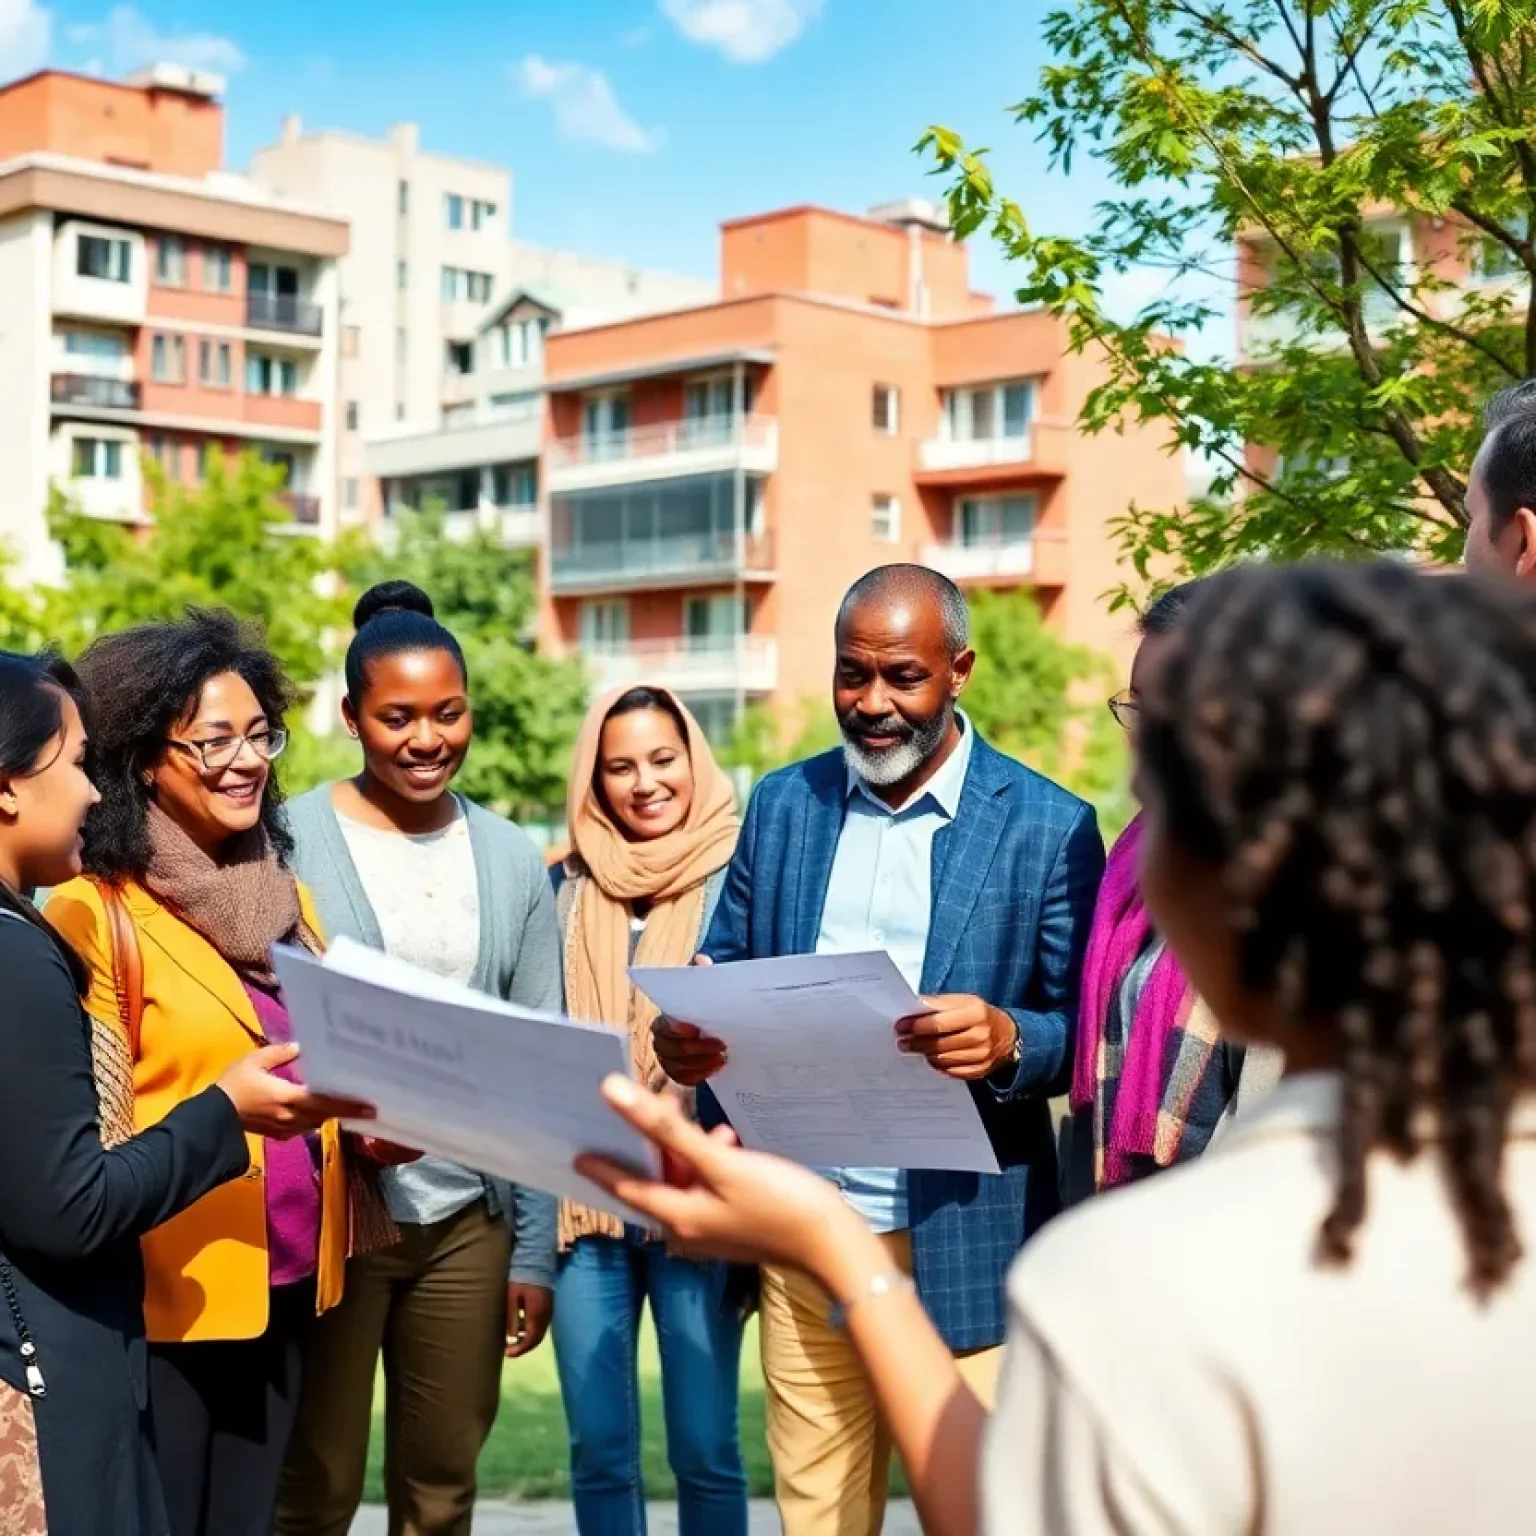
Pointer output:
1125, 707
223, 750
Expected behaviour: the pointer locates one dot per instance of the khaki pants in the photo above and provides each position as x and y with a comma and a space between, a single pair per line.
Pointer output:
436, 1306
831, 1450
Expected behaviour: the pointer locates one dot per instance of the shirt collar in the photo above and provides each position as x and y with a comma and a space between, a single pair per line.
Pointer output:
945, 786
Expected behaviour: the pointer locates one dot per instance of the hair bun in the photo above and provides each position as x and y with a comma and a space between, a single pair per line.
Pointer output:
391, 597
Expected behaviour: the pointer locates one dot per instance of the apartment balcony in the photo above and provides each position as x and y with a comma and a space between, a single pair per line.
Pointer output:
112, 501
488, 439
284, 415
1039, 560
662, 451
517, 527
285, 313
661, 561
687, 664
95, 392
304, 507
1039, 452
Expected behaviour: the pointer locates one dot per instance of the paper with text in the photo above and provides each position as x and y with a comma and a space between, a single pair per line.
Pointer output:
496, 1087
813, 1072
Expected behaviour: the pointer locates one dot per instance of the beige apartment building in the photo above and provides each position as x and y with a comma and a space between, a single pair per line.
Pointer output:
430, 347
151, 304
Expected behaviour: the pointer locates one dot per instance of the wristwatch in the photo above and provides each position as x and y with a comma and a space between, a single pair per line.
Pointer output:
1015, 1054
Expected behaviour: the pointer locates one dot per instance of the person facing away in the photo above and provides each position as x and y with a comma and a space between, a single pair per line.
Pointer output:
73, 1423
400, 862
978, 877
187, 845
652, 825
1501, 488
1153, 1080
1326, 1325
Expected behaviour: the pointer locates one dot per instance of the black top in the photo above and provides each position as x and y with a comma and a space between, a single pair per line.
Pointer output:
71, 1215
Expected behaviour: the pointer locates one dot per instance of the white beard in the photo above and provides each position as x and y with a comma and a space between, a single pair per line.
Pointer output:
882, 769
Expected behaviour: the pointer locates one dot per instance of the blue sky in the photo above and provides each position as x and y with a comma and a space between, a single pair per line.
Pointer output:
632, 127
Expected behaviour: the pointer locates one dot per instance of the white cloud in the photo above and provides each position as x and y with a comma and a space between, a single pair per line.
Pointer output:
128, 40
25, 29
745, 31
586, 110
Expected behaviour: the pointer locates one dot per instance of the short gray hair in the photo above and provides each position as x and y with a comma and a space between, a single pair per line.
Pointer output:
918, 583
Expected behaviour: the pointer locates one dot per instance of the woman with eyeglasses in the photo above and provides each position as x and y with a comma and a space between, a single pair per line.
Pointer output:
1152, 1080
186, 889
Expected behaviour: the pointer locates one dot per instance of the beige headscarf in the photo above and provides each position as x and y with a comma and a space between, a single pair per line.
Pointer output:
612, 872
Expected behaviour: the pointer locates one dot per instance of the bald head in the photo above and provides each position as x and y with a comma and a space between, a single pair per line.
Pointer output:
912, 587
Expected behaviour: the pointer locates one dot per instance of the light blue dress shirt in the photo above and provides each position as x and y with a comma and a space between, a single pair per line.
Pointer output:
881, 897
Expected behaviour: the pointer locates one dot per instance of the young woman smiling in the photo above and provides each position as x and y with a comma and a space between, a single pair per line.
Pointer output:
188, 882
399, 862
653, 825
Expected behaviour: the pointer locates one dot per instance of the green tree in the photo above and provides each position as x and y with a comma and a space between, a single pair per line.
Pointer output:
1288, 128
528, 707
225, 543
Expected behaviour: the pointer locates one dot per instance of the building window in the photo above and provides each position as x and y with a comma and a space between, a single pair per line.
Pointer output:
95, 347
887, 409
402, 275
520, 343
605, 425
460, 286
96, 256
218, 268
453, 210
171, 261
403, 198
481, 215
351, 415
605, 624
459, 359
988, 521
401, 344
991, 411
97, 458
213, 364
168, 359
200, 470
349, 495
351, 340
515, 485
522, 406
886, 520
714, 618
266, 375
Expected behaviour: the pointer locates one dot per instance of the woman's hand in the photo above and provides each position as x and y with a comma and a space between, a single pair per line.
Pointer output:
721, 1201
270, 1106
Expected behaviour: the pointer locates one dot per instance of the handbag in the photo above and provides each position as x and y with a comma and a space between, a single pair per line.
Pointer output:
115, 1052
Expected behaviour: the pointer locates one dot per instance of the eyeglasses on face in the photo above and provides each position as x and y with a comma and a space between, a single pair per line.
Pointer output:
221, 751
1125, 707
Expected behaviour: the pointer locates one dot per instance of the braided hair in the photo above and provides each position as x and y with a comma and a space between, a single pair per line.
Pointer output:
1353, 748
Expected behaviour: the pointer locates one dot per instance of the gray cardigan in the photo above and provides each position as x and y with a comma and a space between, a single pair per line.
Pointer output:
519, 960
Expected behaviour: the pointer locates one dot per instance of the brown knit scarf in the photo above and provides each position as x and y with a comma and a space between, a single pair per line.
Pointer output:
669, 872
243, 902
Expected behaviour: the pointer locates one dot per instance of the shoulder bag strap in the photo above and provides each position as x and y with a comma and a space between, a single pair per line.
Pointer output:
127, 967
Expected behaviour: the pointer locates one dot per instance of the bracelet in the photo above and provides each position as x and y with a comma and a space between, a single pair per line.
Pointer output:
890, 1282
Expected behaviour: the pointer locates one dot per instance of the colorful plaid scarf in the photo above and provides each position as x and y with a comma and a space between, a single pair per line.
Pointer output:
1151, 1081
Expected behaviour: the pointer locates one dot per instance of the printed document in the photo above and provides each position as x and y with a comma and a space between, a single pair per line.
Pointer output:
495, 1087
812, 1069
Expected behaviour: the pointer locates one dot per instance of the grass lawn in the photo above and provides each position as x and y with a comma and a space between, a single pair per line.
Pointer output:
528, 1454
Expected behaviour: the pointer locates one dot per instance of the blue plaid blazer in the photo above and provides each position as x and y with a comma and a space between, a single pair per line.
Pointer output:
1014, 881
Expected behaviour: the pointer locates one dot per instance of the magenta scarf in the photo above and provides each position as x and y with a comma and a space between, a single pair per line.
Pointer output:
1121, 931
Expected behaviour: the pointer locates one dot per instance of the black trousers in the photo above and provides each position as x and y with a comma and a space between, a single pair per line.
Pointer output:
222, 1415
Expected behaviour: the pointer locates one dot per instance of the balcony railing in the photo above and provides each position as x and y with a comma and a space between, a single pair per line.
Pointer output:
664, 438
695, 556
283, 312
1040, 447
304, 507
1036, 557
701, 663
96, 391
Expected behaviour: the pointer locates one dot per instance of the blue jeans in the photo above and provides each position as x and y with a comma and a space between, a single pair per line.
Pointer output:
602, 1286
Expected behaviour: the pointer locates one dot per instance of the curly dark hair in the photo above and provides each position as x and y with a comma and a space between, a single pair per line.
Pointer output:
139, 685
1353, 748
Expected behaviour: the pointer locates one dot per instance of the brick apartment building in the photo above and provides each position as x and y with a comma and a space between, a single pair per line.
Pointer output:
152, 304
717, 476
